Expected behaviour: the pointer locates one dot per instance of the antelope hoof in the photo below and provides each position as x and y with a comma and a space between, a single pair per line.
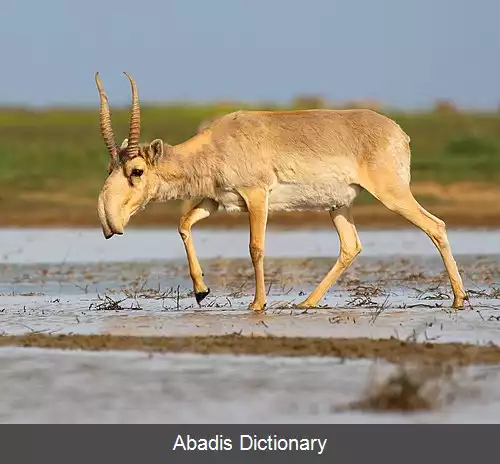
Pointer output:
257, 307
458, 303
200, 296
305, 305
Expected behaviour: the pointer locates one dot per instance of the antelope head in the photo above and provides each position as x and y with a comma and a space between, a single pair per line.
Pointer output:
132, 176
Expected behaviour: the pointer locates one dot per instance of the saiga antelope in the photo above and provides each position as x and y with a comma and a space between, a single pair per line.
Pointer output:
262, 161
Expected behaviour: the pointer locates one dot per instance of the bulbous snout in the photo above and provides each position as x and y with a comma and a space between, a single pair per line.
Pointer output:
110, 225
111, 209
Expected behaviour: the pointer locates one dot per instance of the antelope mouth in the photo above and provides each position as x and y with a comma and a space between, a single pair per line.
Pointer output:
108, 235
113, 229
110, 230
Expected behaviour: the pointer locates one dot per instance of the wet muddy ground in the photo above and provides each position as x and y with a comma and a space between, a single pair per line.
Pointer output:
40, 386
125, 293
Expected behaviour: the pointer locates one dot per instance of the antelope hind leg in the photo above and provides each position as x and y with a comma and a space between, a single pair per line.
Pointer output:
400, 200
350, 247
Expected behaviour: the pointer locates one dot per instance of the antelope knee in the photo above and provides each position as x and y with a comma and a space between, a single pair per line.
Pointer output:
184, 232
347, 255
440, 234
256, 253
357, 249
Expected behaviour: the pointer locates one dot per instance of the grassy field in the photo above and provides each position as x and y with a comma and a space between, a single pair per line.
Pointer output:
53, 164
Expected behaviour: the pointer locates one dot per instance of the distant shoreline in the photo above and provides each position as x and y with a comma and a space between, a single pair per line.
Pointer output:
459, 204
366, 216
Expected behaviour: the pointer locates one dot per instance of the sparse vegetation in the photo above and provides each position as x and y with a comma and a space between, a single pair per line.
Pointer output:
109, 304
410, 389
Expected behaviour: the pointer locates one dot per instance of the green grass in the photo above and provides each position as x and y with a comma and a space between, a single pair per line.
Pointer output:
61, 150
453, 147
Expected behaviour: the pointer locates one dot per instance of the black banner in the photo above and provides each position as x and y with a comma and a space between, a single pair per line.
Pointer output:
248, 443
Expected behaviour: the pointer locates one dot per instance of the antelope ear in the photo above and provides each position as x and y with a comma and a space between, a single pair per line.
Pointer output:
156, 149
124, 144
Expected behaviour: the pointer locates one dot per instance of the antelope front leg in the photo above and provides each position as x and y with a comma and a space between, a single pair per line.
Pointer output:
257, 205
201, 211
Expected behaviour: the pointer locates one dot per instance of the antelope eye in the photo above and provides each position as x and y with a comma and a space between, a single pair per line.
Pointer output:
137, 172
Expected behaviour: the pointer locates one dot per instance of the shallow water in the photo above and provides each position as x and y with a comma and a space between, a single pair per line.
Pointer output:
63, 281
57, 281
58, 246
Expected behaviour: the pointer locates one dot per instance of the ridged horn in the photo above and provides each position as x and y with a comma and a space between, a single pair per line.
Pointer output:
105, 120
135, 120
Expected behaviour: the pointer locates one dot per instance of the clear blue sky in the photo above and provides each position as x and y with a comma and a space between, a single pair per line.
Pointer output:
406, 53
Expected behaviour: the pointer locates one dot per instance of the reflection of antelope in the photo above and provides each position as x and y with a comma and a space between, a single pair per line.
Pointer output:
261, 161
